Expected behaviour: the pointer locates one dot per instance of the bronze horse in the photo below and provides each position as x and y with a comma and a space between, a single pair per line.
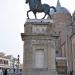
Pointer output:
36, 6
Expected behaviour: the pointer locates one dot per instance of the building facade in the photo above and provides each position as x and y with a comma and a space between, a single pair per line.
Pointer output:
11, 64
64, 25
4, 62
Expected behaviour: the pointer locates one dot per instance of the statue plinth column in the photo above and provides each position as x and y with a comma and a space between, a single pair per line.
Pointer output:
39, 48
51, 53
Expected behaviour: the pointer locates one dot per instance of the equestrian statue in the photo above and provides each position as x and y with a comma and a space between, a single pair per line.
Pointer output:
36, 6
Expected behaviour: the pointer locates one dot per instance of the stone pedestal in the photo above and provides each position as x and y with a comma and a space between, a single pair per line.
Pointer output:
39, 45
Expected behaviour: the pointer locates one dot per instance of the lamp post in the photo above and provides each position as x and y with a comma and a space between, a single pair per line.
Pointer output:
18, 64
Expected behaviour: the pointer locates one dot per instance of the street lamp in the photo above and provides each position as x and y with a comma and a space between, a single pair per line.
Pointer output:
18, 63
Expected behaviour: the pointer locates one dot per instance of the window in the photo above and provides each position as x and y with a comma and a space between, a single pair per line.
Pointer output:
0, 61
57, 52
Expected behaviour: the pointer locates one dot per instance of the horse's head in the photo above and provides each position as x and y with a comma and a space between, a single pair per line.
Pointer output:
27, 1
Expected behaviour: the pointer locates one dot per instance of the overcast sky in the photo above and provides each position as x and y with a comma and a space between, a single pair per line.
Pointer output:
12, 19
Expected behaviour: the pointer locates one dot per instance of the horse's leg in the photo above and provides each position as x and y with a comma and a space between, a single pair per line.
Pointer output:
35, 15
44, 16
27, 13
49, 15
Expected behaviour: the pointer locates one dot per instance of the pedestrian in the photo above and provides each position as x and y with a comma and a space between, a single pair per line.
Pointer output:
5, 73
1, 71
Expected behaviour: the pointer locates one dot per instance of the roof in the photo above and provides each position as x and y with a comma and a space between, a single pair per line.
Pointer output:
60, 9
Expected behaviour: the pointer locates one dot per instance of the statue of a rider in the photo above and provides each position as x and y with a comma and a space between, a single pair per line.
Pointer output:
36, 6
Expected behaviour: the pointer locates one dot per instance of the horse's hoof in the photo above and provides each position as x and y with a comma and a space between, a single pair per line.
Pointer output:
27, 18
42, 18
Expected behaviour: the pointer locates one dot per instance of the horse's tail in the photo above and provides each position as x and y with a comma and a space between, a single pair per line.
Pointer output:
53, 8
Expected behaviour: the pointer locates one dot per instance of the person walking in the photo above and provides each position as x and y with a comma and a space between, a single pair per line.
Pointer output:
5, 73
1, 71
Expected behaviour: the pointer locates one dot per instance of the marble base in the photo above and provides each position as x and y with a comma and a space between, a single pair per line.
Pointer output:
40, 72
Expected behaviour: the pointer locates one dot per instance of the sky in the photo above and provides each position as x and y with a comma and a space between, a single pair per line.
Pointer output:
12, 19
